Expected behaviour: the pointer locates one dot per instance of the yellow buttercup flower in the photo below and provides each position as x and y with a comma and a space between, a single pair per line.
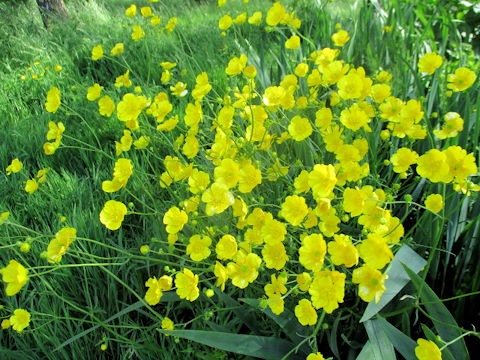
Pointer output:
225, 22
15, 275
59, 245
226, 247
121, 173
175, 219
327, 290
275, 14
305, 313
167, 324
20, 320
294, 209
155, 288
31, 186
137, 32
434, 202
146, 11
256, 18
97, 52
342, 251
106, 106
429, 62
131, 11
461, 80
340, 38
315, 356
312, 252
244, 270
117, 49
427, 350
299, 128
293, 42
14, 167
370, 283
198, 247
93, 92
375, 251
112, 214
53, 100
186, 283
274, 254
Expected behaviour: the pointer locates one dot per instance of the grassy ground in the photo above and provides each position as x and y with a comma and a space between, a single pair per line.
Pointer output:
81, 307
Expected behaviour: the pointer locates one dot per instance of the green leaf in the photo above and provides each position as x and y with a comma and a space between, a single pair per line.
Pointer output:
382, 348
397, 279
443, 321
262, 347
367, 352
401, 342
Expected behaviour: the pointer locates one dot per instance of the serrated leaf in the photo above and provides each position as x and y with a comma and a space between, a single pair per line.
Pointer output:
443, 320
251, 345
381, 345
397, 279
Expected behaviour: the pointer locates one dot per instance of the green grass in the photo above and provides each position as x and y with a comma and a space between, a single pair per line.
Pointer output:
76, 308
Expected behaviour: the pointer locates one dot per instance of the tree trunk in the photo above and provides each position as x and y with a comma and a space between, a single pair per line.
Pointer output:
50, 9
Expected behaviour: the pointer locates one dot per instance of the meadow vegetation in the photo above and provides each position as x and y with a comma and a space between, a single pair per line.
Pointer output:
240, 179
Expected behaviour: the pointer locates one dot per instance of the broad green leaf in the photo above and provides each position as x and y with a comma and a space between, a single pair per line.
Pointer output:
243, 314
401, 342
443, 321
382, 348
367, 352
397, 279
262, 347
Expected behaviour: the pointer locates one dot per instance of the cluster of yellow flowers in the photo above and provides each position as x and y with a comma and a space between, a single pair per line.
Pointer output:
223, 161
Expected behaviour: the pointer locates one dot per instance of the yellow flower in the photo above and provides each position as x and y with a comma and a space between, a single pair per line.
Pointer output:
14, 167
226, 247
427, 350
244, 270
375, 251
293, 42
155, 20
57, 68
121, 173
156, 286
322, 180
175, 219
198, 247
202, 87
315, 356
275, 14
433, 166
240, 19
137, 32
370, 283
186, 284
125, 142
274, 255
434, 202
323, 118
123, 80
276, 304
93, 92
58, 246
312, 252
106, 106
429, 62
340, 38
248, 178
299, 128
217, 199
20, 320
305, 313
256, 18
97, 52
146, 11
131, 11
31, 186
53, 100
461, 80
354, 118
294, 209
453, 125
227, 173
112, 214
225, 22
402, 160
15, 275
460, 163
130, 107
172, 22
117, 49
342, 251
167, 324
142, 142
379, 92
327, 290
383, 77
4, 216
220, 272
236, 65
304, 280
